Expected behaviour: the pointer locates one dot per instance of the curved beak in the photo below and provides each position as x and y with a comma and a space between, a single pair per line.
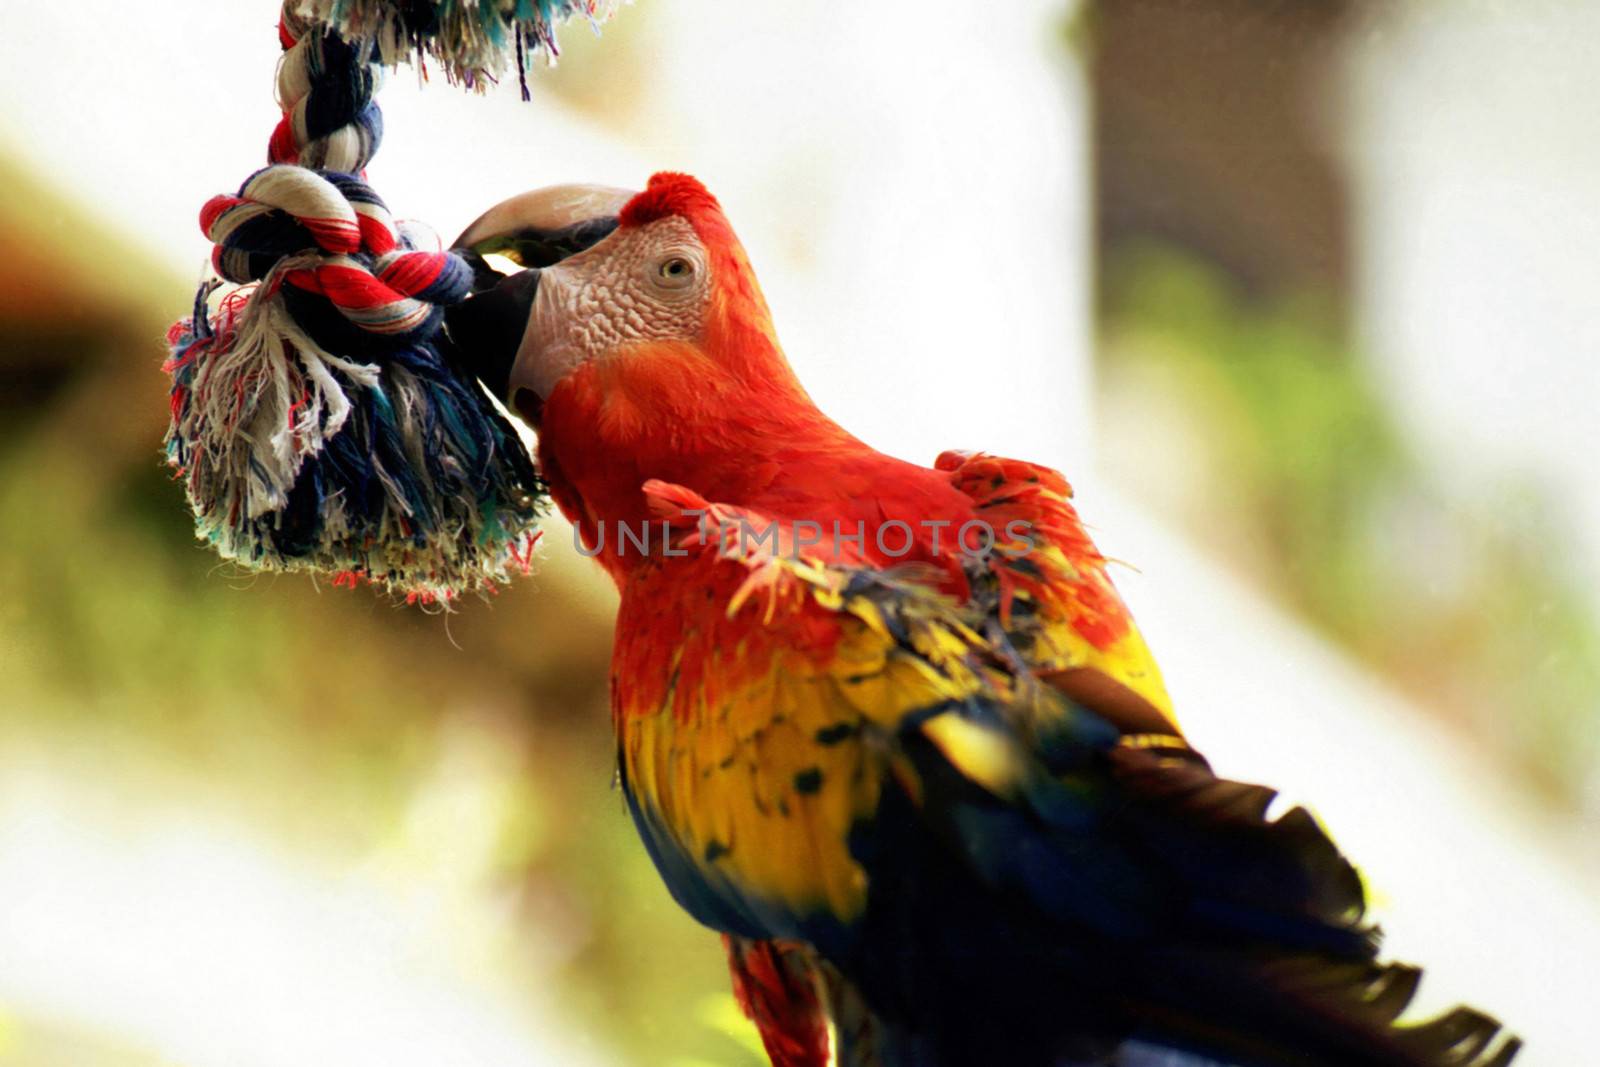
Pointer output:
487, 327
534, 230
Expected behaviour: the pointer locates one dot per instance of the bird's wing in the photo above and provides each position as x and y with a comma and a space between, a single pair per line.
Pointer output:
1049, 590
832, 754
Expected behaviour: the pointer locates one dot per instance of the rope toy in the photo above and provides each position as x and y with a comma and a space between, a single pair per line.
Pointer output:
320, 418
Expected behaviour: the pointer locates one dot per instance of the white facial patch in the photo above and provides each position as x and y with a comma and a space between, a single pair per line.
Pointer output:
649, 284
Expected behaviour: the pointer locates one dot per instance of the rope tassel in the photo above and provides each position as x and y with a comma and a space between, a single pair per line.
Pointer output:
320, 421
473, 40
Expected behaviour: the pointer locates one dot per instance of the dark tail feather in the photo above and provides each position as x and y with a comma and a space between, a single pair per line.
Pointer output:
1280, 879
1312, 1013
1129, 895
1305, 988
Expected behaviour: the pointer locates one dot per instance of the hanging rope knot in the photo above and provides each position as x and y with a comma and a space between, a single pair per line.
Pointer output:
319, 421
345, 246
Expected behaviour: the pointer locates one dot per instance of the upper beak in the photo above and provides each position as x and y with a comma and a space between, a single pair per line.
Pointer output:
534, 230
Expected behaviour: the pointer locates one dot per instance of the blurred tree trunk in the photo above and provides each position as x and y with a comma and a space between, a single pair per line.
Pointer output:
1210, 134
81, 327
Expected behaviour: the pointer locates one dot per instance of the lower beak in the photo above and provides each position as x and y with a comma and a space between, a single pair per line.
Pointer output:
488, 328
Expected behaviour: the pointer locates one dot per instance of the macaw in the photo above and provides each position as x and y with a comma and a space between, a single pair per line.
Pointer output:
889, 728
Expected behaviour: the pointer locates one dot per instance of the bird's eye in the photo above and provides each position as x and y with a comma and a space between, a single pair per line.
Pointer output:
675, 272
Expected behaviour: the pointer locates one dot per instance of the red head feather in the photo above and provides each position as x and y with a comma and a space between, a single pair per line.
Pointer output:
739, 328
669, 193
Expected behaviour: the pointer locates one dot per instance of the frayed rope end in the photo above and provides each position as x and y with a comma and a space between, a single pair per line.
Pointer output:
474, 43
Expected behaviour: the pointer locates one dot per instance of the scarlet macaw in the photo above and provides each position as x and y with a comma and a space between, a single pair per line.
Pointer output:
889, 728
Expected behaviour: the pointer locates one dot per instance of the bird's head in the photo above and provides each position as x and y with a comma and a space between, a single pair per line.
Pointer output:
635, 340
638, 289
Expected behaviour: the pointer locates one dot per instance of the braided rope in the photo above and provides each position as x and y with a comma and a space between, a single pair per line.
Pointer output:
318, 422
372, 272
337, 127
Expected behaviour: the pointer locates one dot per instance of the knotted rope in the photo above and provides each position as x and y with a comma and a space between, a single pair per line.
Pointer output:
319, 420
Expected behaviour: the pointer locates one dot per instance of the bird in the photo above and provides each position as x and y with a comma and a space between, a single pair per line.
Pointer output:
889, 728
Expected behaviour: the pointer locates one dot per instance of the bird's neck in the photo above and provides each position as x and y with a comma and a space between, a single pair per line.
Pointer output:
750, 439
